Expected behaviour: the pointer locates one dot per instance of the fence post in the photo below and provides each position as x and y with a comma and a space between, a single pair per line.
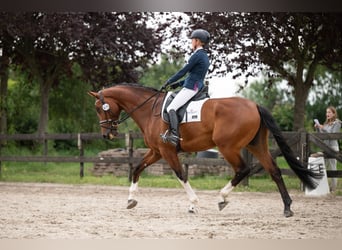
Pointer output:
0, 162
45, 145
1, 145
129, 148
304, 151
80, 147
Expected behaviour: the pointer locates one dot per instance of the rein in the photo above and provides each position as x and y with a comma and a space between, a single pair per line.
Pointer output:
106, 108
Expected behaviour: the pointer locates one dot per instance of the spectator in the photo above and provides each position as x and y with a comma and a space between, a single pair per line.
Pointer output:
331, 125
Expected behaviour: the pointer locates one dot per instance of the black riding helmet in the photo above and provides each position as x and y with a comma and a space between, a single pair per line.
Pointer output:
202, 35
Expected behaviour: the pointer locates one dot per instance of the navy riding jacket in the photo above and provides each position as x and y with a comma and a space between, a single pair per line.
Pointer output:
197, 68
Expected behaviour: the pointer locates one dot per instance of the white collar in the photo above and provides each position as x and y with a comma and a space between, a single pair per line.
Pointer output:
198, 48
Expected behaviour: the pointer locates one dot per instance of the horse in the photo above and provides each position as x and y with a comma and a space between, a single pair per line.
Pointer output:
230, 124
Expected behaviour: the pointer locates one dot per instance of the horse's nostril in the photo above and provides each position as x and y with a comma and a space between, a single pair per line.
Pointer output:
104, 136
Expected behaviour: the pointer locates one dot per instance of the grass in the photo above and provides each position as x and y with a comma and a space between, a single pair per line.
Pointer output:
68, 173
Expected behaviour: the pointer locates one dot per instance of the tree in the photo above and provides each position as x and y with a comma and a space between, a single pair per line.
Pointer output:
4, 71
321, 97
267, 96
5, 50
290, 46
107, 46
274, 99
327, 96
23, 104
156, 75
117, 45
41, 48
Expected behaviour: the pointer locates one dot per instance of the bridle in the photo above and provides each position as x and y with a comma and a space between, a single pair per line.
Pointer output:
111, 124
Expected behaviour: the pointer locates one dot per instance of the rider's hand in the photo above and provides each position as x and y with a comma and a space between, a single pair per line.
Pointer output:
174, 85
164, 86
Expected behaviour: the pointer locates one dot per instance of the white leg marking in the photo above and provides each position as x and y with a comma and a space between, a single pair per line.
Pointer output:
190, 192
225, 191
133, 189
191, 195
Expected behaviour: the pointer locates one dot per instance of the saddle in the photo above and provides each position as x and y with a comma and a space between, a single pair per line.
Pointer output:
183, 112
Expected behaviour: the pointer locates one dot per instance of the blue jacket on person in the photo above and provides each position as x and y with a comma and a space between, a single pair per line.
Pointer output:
197, 68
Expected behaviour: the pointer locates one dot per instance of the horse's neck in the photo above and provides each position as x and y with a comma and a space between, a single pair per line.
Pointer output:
132, 101
129, 99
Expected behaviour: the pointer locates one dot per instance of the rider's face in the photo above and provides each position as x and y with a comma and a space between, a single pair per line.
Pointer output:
195, 43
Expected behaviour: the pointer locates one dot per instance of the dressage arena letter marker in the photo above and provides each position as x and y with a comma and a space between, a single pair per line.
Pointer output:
316, 164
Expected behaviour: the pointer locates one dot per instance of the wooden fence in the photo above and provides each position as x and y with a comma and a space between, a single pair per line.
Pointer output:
301, 144
304, 144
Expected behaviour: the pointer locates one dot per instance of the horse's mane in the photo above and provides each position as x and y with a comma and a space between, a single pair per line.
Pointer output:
135, 85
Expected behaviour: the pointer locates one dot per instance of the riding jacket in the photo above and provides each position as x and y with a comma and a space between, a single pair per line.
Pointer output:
197, 68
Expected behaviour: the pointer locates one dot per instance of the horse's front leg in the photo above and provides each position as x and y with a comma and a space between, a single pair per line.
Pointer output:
191, 195
149, 158
133, 189
173, 160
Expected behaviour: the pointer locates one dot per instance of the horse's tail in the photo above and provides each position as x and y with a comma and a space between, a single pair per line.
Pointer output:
307, 176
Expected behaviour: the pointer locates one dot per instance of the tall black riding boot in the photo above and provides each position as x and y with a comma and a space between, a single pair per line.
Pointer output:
173, 136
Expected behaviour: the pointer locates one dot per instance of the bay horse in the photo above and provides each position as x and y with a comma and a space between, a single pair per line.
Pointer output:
229, 124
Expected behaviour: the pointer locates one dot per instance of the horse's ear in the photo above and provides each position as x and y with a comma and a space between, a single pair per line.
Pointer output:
94, 94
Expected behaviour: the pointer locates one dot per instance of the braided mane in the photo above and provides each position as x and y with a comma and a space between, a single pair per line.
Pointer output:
135, 85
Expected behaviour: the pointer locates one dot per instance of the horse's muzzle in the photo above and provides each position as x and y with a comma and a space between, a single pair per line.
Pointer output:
111, 131
111, 134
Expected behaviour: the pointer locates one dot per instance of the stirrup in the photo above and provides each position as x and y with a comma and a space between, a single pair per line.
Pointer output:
173, 139
164, 136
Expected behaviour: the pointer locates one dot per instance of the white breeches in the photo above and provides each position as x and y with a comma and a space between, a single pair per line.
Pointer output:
183, 96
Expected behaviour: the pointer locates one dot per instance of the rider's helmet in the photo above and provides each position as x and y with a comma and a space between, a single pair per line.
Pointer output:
202, 35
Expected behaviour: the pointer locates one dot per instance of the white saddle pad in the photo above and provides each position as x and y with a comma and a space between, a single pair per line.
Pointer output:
193, 111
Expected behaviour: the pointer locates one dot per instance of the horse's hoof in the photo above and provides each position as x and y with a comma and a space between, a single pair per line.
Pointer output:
131, 204
192, 210
288, 213
222, 205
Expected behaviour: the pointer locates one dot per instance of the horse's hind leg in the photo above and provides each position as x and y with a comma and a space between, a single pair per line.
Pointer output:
241, 171
278, 179
272, 168
260, 149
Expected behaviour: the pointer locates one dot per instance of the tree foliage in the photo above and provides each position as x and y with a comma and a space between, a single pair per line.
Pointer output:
23, 104
156, 75
107, 46
44, 49
290, 46
116, 45
274, 99
323, 96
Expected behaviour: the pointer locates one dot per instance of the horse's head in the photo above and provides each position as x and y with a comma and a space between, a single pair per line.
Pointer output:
108, 112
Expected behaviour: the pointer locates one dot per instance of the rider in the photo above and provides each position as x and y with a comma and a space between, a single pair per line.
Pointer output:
197, 68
